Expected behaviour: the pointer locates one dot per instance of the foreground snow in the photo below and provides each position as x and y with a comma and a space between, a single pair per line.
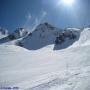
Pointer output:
46, 69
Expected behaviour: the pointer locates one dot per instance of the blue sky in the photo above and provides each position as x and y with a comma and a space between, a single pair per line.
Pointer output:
28, 13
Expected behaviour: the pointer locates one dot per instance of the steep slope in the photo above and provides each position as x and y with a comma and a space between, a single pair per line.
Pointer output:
84, 38
42, 36
45, 69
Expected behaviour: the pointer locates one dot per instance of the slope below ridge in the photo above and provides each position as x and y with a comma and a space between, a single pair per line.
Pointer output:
84, 38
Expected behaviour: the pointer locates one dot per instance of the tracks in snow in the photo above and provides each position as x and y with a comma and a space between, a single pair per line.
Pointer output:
66, 81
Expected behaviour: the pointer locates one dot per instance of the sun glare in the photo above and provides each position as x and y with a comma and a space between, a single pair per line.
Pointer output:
65, 3
68, 2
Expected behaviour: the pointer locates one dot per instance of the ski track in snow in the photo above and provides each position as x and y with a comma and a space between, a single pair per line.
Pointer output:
69, 81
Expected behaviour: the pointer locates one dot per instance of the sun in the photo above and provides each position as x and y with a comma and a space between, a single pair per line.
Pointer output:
68, 2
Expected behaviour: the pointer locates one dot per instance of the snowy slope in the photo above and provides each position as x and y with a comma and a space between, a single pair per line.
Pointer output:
46, 69
84, 38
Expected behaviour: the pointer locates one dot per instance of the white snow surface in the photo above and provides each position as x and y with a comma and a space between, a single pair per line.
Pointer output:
45, 68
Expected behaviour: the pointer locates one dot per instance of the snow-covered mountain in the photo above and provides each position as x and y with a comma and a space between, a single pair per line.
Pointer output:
46, 34
43, 35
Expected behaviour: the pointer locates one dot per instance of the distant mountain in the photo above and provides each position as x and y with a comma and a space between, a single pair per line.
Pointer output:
3, 32
20, 32
7, 37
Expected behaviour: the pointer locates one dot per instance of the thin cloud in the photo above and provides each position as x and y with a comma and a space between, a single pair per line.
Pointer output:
28, 18
35, 22
39, 20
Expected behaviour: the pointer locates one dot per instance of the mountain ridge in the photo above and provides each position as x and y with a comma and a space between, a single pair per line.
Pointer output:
43, 35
